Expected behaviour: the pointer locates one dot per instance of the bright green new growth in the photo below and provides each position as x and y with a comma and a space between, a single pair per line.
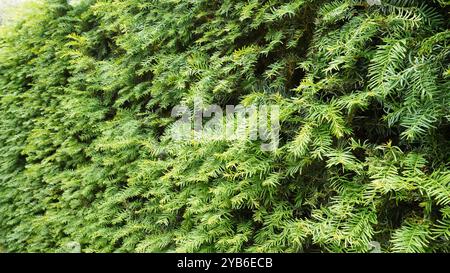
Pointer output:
86, 93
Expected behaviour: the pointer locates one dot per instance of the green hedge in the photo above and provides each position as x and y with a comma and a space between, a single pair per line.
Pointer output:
86, 154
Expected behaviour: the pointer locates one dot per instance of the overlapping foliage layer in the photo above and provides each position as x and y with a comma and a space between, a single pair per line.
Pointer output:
86, 94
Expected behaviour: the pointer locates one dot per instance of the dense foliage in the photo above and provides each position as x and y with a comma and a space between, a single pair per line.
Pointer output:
86, 93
